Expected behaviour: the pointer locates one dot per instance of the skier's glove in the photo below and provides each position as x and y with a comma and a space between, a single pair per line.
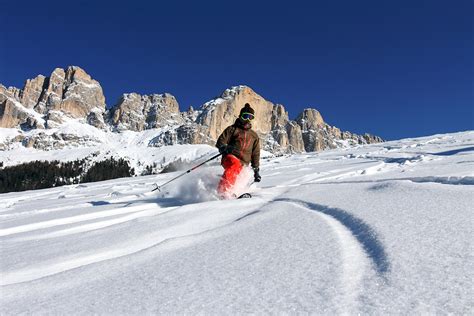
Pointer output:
256, 175
225, 149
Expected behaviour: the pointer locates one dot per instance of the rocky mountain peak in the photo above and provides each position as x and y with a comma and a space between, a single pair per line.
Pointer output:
222, 111
66, 93
232, 92
310, 119
72, 94
139, 112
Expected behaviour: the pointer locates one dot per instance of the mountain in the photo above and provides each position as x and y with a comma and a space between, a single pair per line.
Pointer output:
380, 229
45, 101
43, 111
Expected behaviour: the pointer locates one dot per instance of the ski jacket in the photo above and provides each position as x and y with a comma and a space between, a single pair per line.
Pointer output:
244, 142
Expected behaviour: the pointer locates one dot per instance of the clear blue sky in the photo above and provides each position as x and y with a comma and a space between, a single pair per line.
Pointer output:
392, 68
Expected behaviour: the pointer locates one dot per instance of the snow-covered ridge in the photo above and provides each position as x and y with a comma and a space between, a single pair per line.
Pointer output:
135, 147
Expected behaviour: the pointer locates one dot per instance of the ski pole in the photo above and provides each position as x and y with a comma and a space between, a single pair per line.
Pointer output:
158, 187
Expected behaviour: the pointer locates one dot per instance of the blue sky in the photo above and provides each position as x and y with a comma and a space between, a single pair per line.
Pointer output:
392, 68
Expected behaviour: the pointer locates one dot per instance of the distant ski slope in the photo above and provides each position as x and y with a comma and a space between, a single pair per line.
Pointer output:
379, 229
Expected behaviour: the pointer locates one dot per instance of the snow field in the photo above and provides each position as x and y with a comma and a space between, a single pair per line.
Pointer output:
379, 229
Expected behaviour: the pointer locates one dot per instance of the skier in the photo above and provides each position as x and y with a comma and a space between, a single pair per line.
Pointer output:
239, 146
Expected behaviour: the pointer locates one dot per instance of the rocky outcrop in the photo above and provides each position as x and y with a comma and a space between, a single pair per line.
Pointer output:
71, 94
184, 134
14, 114
53, 141
32, 91
11, 114
220, 112
136, 112
81, 94
315, 131
285, 135
271, 121
70, 91
318, 135
280, 134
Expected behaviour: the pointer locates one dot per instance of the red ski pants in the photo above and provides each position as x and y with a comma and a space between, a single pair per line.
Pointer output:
232, 167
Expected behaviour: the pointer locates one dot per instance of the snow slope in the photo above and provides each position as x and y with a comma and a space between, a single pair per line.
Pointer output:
132, 146
379, 229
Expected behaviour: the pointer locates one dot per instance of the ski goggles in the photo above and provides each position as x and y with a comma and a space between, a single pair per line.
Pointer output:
247, 116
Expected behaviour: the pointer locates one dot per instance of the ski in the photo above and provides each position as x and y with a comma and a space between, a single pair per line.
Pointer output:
245, 196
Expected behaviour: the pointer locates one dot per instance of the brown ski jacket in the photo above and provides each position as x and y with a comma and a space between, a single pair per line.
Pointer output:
244, 142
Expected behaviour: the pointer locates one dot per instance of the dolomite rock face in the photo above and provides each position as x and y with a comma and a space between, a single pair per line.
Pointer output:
318, 135
310, 119
12, 92
32, 91
70, 96
70, 91
285, 135
221, 112
308, 132
314, 131
137, 113
14, 114
11, 115
76, 94
271, 122
53, 92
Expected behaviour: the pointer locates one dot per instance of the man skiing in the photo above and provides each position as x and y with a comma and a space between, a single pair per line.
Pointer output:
239, 146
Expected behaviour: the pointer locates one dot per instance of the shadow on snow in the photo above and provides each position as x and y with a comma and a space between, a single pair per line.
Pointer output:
364, 234
453, 152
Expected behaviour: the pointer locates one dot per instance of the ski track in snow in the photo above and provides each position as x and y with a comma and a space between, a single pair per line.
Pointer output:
145, 211
354, 260
187, 229
43, 210
74, 219
356, 227
359, 247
